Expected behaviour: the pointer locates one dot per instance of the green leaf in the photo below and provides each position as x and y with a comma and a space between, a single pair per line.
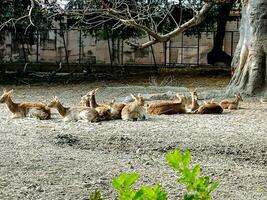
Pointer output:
96, 195
213, 186
125, 180
174, 159
186, 158
130, 179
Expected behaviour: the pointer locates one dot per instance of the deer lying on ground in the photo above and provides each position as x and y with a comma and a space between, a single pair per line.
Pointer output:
209, 107
104, 110
231, 105
37, 110
194, 104
115, 109
168, 107
135, 110
75, 113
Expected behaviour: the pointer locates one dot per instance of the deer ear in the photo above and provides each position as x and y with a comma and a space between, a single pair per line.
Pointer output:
4, 90
10, 92
134, 97
96, 89
195, 90
139, 95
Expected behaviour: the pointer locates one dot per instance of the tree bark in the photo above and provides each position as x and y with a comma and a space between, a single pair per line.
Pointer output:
217, 54
249, 62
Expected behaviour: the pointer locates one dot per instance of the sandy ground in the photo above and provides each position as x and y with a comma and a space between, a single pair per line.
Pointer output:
56, 160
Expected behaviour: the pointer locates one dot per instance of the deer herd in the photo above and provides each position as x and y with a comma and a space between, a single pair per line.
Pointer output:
89, 110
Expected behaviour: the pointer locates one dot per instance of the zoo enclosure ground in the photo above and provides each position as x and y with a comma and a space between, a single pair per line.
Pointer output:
56, 160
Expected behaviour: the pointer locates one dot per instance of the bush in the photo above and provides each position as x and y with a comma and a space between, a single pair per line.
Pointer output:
198, 187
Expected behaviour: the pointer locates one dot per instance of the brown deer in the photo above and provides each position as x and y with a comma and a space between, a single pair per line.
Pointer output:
37, 110
104, 110
209, 107
135, 110
115, 109
75, 113
176, 106
231, 105
194, 97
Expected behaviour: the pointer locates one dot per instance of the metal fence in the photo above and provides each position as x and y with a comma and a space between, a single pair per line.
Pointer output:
72, 46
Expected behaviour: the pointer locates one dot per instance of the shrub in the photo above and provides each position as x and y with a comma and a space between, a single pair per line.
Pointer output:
198, 187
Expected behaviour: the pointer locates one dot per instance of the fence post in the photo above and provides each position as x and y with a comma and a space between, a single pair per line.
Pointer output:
198, 35
80, 45
232, 42
182, 51
153, 55
37, 46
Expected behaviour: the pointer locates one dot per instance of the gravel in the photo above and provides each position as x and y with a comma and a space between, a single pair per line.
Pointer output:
52, 159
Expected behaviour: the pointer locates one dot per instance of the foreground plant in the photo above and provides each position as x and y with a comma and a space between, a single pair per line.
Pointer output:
198, 187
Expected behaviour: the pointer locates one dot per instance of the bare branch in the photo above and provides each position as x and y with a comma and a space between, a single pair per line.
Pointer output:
197, 19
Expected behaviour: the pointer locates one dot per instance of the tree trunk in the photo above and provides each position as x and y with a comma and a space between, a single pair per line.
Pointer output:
249, 62
217, 54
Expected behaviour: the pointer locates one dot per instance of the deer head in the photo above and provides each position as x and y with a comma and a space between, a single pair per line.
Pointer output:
5, 96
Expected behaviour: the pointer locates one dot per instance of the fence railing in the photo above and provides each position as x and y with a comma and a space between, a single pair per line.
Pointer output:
72, 46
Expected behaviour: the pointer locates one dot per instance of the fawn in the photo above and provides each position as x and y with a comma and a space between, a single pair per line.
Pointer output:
37, 110
74, 113
231, 105
168, 107
209, 107
104, 110
135, 110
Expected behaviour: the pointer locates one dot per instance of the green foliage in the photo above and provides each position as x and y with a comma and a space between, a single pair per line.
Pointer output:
198, 187
19, 8
123, 184
96, 195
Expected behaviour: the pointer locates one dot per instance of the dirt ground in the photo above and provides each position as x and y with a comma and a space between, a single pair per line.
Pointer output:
52, 160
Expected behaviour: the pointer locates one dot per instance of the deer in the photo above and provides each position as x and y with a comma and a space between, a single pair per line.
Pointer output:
37, 110
194, 103
191, 104
231, 105
115, 109
176, 106
104, 110
135, 110
209, 107
74, 113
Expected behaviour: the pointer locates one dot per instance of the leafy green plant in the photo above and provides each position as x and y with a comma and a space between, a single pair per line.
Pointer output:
96, 195
198, 187
123, 184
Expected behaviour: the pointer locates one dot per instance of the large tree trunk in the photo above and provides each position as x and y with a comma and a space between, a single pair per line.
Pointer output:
249, 62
